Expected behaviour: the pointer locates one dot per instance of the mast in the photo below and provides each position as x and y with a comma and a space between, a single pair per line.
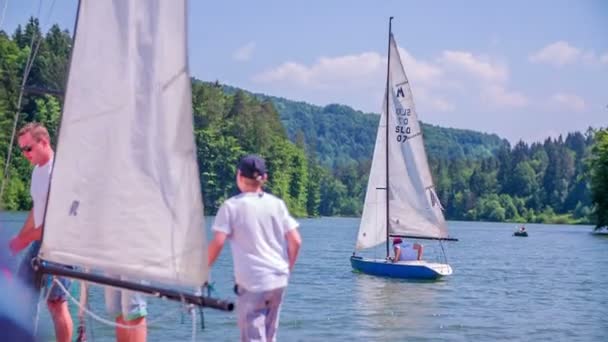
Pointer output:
388, 70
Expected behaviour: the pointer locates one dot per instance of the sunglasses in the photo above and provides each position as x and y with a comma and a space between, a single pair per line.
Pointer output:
26, 148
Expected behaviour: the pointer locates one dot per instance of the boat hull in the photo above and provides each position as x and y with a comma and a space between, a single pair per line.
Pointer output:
417, 269
522, 234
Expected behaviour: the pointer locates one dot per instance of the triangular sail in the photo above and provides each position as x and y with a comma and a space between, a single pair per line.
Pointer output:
125, 194
414, 207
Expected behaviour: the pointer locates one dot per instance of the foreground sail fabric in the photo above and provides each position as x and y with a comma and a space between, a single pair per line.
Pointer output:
414, 207
125, 193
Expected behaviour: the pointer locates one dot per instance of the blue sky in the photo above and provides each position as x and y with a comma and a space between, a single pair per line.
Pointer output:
520, 69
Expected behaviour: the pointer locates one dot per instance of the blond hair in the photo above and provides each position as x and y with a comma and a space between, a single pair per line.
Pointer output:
36, 130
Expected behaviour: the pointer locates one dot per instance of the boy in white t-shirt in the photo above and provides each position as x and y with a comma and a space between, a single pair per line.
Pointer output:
265, 244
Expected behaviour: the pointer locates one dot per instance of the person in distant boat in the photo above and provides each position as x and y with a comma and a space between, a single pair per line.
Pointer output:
522, 229
34, 141
406, 251
265, 244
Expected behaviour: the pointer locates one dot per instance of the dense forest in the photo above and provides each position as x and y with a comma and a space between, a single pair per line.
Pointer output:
319, 157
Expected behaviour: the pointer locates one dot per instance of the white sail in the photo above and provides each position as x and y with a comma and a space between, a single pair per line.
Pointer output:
125, 194
372, 229
414, 207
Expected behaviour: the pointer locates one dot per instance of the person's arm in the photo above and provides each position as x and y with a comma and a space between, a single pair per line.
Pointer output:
294, 241
215, 247
33, 234
397, 253
418, 247
26, 235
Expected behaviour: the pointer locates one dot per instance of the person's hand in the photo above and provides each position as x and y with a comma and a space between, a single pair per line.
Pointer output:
16, 245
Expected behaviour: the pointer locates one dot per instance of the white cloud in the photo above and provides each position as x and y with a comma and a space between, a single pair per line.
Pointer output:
441, 105
474, 65
497, 95
244, 53
432, 100
568, 102
483, 78
360, 73
436, 84
557, 54
326, 72
604, 58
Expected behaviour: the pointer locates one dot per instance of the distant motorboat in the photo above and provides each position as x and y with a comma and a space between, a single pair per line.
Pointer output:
521, 232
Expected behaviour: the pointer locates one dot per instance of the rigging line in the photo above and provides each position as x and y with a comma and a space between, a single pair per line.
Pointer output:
16, 119
193, 313
35, 52
3, 13
81, 330
445, 255
28, 67
37, 316
106, 321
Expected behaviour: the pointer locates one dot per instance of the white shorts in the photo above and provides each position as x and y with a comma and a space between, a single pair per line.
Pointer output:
128, 304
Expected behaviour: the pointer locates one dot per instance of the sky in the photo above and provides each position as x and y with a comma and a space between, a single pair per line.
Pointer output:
524, 70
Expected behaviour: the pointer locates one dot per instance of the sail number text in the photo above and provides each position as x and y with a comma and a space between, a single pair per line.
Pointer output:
402, 129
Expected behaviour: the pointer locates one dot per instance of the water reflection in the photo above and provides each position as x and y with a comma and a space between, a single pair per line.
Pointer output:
394, 308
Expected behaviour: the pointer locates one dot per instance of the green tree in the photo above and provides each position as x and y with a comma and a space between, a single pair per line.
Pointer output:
523, 180
599, 178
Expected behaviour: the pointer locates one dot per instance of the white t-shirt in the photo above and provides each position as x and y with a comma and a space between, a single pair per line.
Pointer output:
39, 190
256, 224
407, 251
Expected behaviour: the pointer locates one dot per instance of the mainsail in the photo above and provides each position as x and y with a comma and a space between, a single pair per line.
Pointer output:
125, 195
414, 208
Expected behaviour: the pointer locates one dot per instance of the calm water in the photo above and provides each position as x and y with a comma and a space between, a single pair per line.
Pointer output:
552, 285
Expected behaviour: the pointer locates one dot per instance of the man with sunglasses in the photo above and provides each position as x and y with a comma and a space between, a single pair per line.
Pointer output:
35, 144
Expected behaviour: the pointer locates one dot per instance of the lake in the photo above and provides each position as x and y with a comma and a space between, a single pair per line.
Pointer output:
552, 285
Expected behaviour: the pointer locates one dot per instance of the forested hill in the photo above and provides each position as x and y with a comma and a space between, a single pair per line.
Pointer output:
338, 134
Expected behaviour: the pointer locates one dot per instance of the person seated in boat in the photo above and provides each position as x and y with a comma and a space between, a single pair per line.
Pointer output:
406, 251
522, 229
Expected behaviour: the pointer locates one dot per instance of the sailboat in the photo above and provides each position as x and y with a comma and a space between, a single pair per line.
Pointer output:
125, 200
400, 200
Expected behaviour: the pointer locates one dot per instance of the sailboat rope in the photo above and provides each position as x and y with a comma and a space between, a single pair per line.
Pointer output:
106, 321
3, 13
37, 317
26, 73
445, 255
193, 314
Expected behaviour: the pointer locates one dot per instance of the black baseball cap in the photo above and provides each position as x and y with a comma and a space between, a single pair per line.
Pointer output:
252, 166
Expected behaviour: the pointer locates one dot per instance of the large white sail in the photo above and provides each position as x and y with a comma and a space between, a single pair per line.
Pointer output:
414, 207
125, 194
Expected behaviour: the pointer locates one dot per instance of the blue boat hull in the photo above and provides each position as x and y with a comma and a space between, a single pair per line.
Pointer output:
401, 270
